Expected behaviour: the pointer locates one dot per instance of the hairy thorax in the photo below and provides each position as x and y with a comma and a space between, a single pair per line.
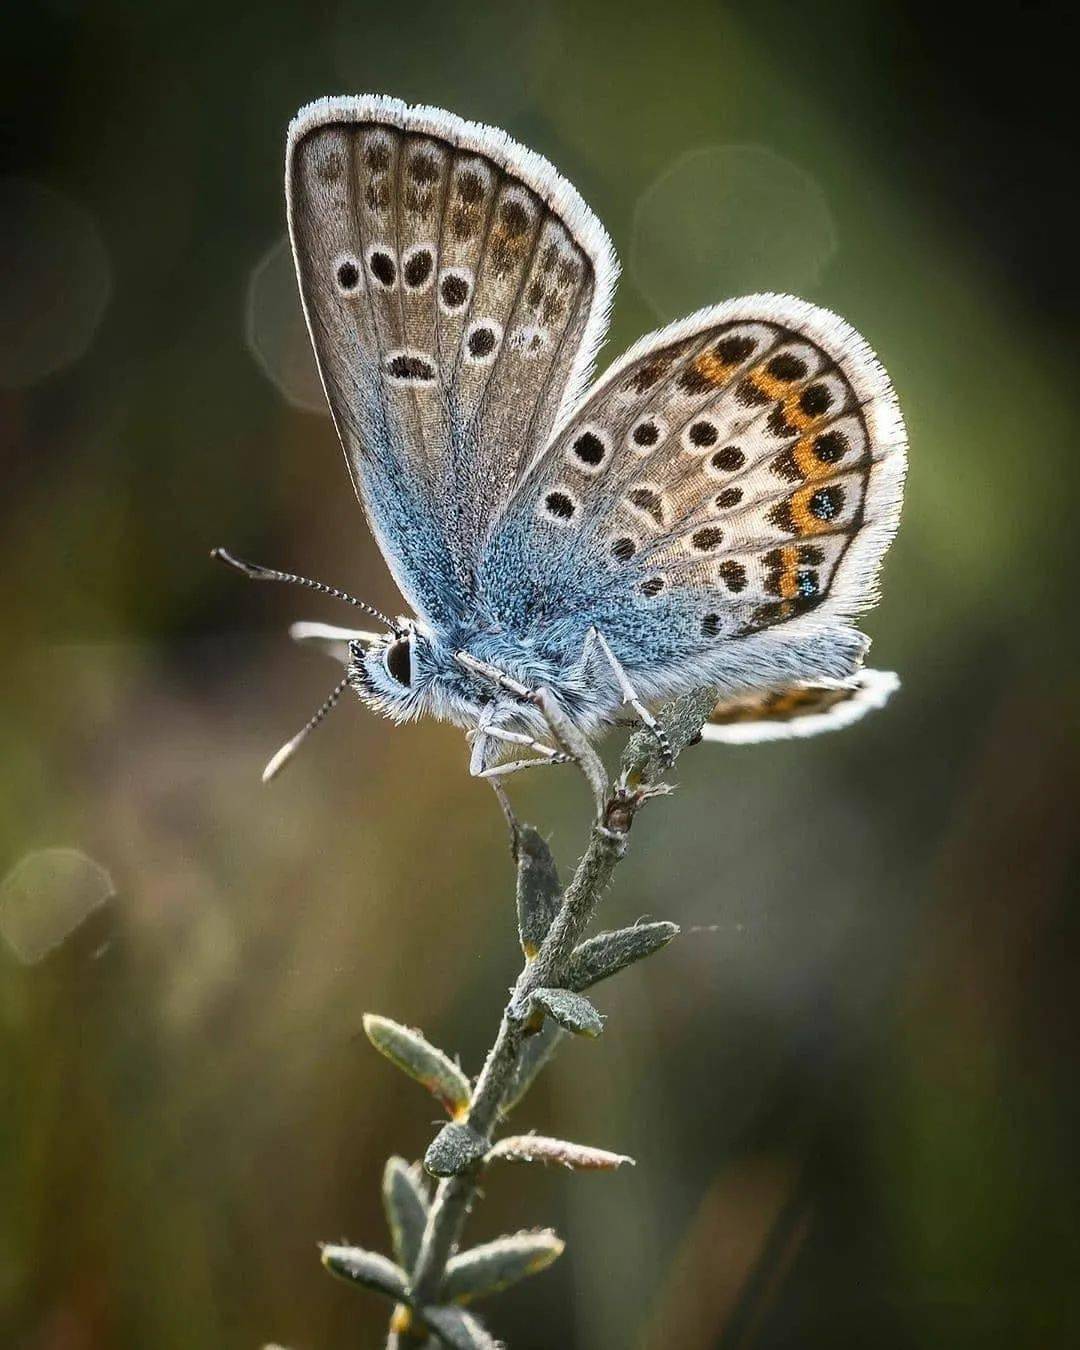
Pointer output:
435, 681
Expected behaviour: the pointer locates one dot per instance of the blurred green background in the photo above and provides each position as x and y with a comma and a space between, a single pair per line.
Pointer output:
851, 1086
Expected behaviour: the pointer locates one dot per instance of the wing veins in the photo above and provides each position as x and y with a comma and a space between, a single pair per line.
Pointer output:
481, 402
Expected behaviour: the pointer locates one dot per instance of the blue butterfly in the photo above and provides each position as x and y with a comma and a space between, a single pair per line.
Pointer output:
712, 512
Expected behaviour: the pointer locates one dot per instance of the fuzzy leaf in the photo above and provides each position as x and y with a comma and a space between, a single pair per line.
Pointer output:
415, 1055
405, 1200
572, 1011
538, 1148
535, 1053
454, 1150
371, 1269
608, 953
458, 1329
496, 1265
538, 889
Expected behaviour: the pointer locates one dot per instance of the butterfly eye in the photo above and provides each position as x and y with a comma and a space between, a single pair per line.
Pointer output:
398, 661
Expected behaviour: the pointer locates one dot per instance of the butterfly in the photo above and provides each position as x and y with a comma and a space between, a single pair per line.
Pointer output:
712, 512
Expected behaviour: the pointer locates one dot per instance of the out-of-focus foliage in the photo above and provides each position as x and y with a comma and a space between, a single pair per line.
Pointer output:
848, 1083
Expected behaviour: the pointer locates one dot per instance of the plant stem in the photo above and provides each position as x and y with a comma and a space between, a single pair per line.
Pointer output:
640, 772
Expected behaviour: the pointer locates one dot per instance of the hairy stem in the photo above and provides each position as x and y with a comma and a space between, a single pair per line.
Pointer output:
640, 773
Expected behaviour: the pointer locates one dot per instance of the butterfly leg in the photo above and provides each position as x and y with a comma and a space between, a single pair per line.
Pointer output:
573, 746
546, 753
494, 775
476, 768
497, 677
515, 765
509, 814
629, 694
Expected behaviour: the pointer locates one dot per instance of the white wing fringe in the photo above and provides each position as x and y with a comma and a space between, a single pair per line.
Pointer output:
866, 691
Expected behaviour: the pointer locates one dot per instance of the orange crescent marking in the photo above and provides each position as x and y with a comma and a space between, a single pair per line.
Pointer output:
709, 366
768, 384
804, 522
789, 560
807, 462
782, 392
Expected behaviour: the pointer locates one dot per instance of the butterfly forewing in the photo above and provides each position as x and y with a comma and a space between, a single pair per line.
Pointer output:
736, 472
544, 282
456, 288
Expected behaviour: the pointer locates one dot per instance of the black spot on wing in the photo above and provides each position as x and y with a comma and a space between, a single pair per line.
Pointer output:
729, 459
703, 434
831, 446
348, 275
411, 368
827, 502
454, 290
418, 268
382, 267
816, 400
560, 505
481, 341
645, 434
787, 367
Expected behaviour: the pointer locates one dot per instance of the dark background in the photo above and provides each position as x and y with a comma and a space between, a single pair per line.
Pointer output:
851, 1086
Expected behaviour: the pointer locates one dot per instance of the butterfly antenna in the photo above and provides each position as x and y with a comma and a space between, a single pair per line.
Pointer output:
278, 762
257, 573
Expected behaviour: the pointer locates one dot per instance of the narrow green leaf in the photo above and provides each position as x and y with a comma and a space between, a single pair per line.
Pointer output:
415, 1055
608, 953
538, 890
496, 1265
370, 1269
538, 1148
454, 1149
405, 1200
458, 1329
572, 1011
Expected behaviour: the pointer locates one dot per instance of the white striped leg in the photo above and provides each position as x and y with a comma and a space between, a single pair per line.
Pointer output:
494, 674
545, 753
576, 746
476, 768
630, 696
514, 765
573, 746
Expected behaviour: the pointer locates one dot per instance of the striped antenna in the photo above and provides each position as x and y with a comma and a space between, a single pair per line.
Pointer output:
258, 573
278, 762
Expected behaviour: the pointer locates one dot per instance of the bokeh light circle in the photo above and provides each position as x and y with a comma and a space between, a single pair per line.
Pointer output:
276, 333
57, 285
722, 221
46, 896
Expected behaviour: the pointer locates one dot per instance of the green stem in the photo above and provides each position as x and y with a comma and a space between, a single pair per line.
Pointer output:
641, 769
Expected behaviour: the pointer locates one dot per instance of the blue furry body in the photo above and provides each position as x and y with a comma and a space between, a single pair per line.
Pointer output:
539, 635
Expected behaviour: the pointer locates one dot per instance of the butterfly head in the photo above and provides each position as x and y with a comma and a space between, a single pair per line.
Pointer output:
403, 674
384, 672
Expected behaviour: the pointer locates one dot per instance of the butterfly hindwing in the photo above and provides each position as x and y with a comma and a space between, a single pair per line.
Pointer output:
721, 498
456, 288
799, 709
